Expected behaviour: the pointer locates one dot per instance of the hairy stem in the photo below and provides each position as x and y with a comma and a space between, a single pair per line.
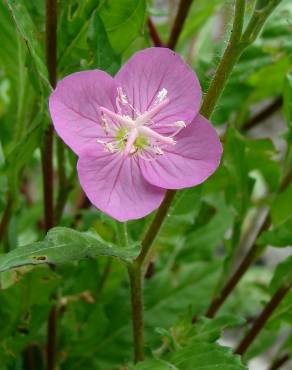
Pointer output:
154, 34
155, 226
136, 284
231, 55
183, 10
262, 319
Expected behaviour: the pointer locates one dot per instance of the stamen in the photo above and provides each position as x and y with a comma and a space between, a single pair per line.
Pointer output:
122, 96
110, 147
157, 150
180, 124
161, 95
104, 123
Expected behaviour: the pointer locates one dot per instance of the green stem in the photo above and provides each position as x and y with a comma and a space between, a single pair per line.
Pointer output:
136, 284
155, 226
236, 45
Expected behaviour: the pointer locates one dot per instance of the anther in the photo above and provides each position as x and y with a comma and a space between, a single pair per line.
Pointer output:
161, 95
157, 150
122, 96
110, 147
104, 123
180, 124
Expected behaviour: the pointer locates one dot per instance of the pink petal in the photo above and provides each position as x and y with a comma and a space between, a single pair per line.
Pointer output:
151, 70
115, 185
189, 162
74, 106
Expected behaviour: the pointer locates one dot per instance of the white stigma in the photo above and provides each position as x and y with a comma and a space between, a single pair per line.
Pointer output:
162, 94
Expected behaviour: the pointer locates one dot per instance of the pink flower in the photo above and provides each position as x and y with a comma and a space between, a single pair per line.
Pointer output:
136, 134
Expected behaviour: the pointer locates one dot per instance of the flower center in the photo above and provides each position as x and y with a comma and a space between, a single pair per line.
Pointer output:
135, 135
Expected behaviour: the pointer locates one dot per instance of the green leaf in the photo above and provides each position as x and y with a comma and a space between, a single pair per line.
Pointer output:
199, 14
26, 29
63, 245
279, 236
197, 356
22, 152
260, 156
154, 365
281, 209
103, 56
166, 295
205, 330
123, 20
287, 94
205, 238
282, 275
236, 162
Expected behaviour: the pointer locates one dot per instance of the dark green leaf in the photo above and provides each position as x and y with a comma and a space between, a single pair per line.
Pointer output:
123, 20
26, 29
279, 236
103, 56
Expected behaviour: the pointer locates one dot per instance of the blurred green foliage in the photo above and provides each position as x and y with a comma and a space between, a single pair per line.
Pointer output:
195, 249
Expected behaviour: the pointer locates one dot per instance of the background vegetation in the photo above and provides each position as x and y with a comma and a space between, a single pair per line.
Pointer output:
221, 258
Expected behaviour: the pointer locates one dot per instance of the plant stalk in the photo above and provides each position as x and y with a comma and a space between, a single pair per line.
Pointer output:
47, 162
136, 284
155, 37
262, 319
182, 13
6, 217
277, 364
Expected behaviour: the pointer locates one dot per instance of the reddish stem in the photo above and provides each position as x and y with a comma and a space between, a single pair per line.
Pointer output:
280, 362
47, 162
262, 319
183, 10
263, 114
154, 34
6, 216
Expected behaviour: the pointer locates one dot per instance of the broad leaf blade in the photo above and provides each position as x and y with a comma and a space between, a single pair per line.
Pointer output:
62, 245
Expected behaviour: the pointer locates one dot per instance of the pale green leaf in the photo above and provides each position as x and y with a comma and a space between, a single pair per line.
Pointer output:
63, 245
